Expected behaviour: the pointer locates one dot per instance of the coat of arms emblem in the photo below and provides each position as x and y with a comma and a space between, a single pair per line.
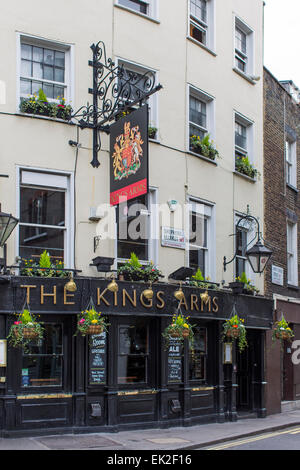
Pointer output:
127, 152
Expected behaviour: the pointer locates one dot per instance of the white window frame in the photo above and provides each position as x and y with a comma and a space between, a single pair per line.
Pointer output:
207, 26
292, 255
207, 209
68, 49
249, 125
153, 99
62, 180
152, 8
250, 230
153, 231
247, 57
210, 113
291, 162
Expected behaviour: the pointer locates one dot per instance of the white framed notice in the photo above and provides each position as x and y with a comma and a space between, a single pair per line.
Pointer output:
3, 349
227, 353
277, 275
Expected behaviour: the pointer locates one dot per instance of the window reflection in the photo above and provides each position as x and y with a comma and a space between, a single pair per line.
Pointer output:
42, 364
133, 353
198, 354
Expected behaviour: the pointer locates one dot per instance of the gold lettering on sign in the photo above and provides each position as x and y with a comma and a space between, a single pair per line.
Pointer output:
194, 302
149, 305
100, 296
28, 292
215, 305
43, 294
115, 299
162, 302
207, 301
183, 301
132, 300
66, 302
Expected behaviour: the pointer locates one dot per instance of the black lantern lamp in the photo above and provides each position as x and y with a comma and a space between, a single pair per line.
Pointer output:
7, 224
258, 255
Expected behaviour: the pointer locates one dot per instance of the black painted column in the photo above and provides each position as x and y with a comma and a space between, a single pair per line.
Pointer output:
219, 387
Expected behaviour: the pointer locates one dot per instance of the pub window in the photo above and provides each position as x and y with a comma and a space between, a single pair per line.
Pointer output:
45, 208
133, 353
42, 365
136, 228
198, 355
201, 238
243, 47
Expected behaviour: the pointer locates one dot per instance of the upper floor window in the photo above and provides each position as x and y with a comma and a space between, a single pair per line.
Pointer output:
136, 74
201, 247
243, 60
244, 147
201, 114
44, 65
202, 22
45, 216
292, 261
291, 162
146, 7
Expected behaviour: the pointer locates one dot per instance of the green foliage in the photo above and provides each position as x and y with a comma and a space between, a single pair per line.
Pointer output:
39, 105
247, 283
243, 165
282, 331
44, 267
44, 261
198, 280
204, 146
133, 270
90, 317
152, 132
180, 329
234, 329
18, 333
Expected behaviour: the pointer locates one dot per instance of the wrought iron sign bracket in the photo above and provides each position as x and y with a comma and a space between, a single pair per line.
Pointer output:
115, 90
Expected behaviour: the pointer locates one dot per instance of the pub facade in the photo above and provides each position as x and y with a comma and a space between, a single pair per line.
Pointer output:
62, 165
128, 378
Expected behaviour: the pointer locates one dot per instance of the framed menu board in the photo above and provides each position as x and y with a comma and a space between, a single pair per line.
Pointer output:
174, 361
97, 360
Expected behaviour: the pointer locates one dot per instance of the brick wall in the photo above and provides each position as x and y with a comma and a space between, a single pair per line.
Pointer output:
280, 112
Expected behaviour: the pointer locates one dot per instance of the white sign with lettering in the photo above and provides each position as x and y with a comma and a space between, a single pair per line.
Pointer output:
173, 237
277, 275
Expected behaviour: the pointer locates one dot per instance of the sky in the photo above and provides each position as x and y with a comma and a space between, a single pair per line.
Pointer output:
282, 39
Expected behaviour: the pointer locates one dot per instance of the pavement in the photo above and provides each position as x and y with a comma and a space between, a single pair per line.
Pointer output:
177, 438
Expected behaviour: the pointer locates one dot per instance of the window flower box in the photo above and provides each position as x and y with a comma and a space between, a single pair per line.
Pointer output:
39, 105
203, 147
243, 166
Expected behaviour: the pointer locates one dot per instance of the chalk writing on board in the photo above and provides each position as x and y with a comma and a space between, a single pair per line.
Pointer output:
97, 359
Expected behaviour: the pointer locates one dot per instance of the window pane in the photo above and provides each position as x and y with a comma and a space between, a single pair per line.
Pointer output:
37, 54
41, 371
197, 356
197, 259
49, 90
197, 112
36, 86
135, 5
26, 68
49, 56
59, 92
131, 369
26, 51
132, 354
197, 33
198, 229
48, 73
197, 132
37, 70
25, 87
59, 75
199, 9
51, 342
59, 59
34, 240
42, 206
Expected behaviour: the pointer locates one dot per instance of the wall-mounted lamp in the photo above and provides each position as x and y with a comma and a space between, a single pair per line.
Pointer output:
258, 255
7, 224
70, 286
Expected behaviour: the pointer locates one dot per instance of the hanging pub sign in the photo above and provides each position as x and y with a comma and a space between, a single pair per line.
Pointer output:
129, 156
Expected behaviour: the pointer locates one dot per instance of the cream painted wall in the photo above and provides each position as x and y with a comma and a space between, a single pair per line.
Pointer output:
163, 46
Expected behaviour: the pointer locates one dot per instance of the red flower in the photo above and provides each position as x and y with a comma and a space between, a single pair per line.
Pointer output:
235, 326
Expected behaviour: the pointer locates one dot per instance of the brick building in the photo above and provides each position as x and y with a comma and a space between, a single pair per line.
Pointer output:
282, 212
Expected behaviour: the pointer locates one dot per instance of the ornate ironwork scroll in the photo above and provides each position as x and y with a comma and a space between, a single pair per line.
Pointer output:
115, 90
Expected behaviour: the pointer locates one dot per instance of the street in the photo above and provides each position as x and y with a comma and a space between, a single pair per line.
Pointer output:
288, 439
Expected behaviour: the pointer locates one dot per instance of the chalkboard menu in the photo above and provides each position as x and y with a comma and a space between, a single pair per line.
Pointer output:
174, 361
97, 359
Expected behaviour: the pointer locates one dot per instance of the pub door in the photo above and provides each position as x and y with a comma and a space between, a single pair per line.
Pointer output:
246, 361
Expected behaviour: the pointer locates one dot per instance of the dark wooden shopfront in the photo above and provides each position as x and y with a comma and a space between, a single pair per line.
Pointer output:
127, 378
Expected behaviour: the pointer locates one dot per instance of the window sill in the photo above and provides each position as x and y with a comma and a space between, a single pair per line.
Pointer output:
47, 118
244, 75
209, 160
292, 187
201, 45
147, 17
291, 286
248, 178
155, 141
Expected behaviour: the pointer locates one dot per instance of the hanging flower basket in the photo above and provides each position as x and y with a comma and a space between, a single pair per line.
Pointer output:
234, 329
91, 322
24, 330
179, 329
282, 331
